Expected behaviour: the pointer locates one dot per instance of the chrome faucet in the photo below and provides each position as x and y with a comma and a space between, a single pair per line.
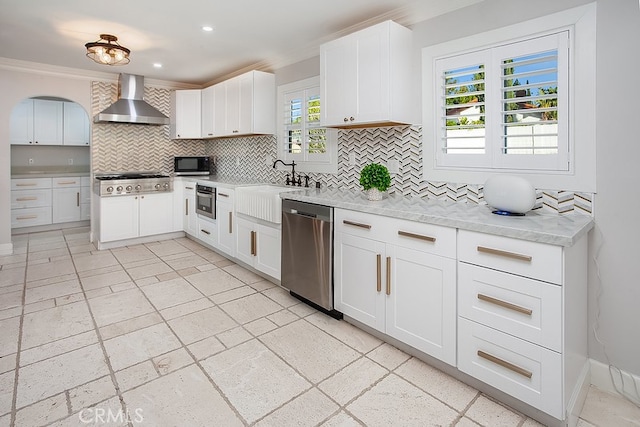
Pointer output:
293, 171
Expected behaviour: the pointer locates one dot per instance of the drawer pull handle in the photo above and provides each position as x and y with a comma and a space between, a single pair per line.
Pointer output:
25, 199
416, 236
253, 243
186, 207
20, 218
379, 272
66, 182
356, 224
223, 195
388, 275
205, 232
505, 304
31, 184
506, 254
230, 222
505, 364
77, 199
188, 188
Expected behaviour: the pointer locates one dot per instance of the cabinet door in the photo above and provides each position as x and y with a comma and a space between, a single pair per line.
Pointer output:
245, 231
66, 204
76, 125
421, 301
47, 122
245, 113
186, 114
268, 245
190, 222
208, 112
233, 106
372, 75
118, 218
21, 123
220, 109
338, 81
358, 279
156, 214
226, 236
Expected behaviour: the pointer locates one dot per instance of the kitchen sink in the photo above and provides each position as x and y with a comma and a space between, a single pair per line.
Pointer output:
261, 201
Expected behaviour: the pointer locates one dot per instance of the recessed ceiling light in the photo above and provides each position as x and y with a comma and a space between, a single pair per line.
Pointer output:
157, 65
207, 28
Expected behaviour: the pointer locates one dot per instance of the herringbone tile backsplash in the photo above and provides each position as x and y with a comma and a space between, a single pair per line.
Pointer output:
120, 147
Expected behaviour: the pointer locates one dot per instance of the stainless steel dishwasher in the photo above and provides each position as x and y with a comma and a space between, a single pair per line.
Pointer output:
307, 253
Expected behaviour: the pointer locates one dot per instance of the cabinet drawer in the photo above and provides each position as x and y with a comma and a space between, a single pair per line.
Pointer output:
63, 182
224, 195
30, 198
526, 308
30, 217
525, 371
429, 238
529, 259
359, 224
30, 183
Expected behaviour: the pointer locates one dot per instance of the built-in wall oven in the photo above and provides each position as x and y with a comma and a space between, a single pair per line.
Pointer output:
206, 200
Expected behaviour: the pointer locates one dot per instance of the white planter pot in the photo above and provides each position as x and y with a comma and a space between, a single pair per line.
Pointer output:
374, 194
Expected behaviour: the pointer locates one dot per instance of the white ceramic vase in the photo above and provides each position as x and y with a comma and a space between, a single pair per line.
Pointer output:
374, 194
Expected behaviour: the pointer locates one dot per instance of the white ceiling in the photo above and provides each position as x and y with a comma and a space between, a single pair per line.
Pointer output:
248, 34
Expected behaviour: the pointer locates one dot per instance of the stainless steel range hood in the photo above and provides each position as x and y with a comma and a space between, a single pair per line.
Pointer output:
130, 106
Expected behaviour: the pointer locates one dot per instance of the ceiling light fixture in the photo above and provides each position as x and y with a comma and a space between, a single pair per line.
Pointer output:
207, 28
107, 51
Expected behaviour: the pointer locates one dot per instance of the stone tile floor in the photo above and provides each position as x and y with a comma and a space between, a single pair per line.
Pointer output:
172, 334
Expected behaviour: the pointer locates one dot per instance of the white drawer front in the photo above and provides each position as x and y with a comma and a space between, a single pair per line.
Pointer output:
30, 198
63, 182
526, 371
85, 181
224, 195
30, 183
30, 217
526, 308
359, 224
423, 237
529, 259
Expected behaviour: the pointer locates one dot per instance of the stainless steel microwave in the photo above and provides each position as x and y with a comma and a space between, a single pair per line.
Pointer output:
192, 165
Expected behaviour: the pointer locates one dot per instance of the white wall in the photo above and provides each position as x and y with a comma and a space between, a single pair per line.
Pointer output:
14, 87
617, 203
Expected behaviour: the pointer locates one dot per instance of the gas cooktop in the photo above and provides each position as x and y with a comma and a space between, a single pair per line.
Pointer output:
130, 175
124, 183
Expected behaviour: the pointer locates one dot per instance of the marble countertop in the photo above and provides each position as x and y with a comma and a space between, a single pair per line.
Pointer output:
225, 182
561, 230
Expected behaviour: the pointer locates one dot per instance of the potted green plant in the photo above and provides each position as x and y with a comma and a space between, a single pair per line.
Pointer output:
375, 180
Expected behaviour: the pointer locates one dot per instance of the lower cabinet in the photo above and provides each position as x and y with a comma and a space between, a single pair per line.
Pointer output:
225, 215
391, 275
66, 199
127, 217
258, 244
190, 219
207, 231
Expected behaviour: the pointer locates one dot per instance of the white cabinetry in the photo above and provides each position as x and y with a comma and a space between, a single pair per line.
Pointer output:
30, 202
207, 230
225, 220
365, 77
245, 105
208, 112
186, 115
85, 198
37, 121
190, 219
258, 244
76, 125
66, 199
398, 277
127, 217
522, 317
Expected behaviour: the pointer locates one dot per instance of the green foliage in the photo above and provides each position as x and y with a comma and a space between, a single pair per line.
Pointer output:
375, 175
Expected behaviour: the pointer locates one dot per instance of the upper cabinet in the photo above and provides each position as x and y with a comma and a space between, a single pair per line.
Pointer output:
242, 105
49, 122
76, 125
365, 78
248, 106
186, 111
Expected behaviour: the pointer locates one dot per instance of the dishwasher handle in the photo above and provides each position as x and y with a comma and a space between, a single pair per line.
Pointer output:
301, 213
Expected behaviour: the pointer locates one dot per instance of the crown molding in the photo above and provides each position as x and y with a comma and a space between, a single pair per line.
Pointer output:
79, 74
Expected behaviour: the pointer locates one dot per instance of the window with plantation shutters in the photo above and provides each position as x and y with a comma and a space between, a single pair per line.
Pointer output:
505, 107
301, 137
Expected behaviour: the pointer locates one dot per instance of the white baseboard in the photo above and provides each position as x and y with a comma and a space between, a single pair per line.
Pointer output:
600, 378
6, 249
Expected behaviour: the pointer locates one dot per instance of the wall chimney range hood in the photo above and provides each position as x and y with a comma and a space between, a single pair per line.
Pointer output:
130, 106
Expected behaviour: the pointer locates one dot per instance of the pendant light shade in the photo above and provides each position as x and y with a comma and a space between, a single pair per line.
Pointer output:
107, 51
